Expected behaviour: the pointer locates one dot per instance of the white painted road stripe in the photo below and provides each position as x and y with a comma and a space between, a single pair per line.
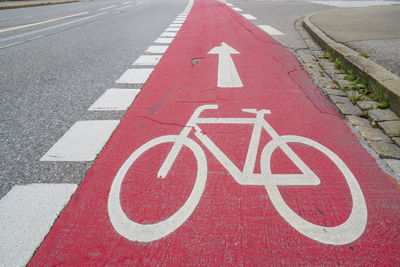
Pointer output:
127, 2
42, 22
175, 25
108, 7
229, 4
168, 34
172, 29
82, 142
157, 49
270, 30
12, 37
115, 99
133, 76
26, 215
237, 9
147, 60
123, 7
249, 16
164, 40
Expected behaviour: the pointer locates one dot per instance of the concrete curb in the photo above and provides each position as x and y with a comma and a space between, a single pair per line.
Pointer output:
374, 74
33, 3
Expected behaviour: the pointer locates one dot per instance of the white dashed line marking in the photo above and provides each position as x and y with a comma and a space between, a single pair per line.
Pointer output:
158, 49
229, 4
115, 99
164, 40
270, 30
42, 22
133, 76
237, 9
147, 60
108, 7
82, 142
168, 34
249, 17
172, 29
27, 213
175, 25
123, 7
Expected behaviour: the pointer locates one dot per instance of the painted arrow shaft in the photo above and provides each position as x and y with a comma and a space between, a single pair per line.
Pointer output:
227, 73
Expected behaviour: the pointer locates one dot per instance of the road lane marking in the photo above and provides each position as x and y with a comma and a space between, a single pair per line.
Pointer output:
82, 142
249, 16
168, 34
176, 25
172, 29
270, 30
157, 49
229, 4
237, 9
49, 28
164, 40
115, 99
108, 7
127, 2
42, 22
21, 42
148, 60
123, 7
135, 76
27, 213
227, 73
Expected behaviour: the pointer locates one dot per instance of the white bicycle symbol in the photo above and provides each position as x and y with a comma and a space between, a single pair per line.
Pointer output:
341, 234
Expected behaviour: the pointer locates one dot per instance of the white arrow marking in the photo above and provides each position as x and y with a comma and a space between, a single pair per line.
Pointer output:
227, 73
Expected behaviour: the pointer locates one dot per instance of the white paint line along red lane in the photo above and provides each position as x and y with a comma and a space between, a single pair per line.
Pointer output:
266, 173
270, 30
157, 49
135, 76
27, 213
147, 60
115, 99
82, 142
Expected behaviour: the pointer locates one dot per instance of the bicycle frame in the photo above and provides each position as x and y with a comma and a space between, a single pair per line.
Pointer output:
247, 176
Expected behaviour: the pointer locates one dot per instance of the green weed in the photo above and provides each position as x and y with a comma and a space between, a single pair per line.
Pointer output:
363, 54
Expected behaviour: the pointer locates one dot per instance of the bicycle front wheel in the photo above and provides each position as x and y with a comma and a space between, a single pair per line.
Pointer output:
149, 232
341, 234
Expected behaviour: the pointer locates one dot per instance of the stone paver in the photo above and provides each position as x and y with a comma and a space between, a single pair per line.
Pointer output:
364, 105
391, 128
349, 109
385, 150
335, 92
344, 84
382, 115
357, 121
372, 134
339, 99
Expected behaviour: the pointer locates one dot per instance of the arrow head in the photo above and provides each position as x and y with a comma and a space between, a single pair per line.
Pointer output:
223, 49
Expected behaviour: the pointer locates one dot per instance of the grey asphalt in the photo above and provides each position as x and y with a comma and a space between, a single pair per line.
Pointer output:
47, 84
373, 30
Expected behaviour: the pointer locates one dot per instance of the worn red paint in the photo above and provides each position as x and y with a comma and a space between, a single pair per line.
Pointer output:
232, 224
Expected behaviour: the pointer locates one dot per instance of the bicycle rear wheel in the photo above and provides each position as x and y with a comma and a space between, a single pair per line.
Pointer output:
149, 232
341, 234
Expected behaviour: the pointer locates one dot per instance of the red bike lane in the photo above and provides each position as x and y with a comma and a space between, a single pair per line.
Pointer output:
124, 213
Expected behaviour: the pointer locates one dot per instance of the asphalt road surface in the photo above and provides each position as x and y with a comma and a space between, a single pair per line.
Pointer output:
56, 63
51, 73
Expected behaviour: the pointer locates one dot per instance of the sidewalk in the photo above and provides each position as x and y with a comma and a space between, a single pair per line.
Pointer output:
372, 30
20, 4
339, 32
